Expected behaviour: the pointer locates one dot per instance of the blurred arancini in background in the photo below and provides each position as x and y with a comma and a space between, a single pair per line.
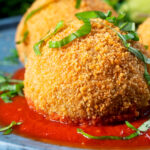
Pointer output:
144, 33
42, 21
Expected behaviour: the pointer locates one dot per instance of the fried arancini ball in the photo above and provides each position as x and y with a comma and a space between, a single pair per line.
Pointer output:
144, 33
42, 21
93, 79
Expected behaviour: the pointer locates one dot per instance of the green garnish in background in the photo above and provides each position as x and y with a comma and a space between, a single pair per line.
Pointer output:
137, 10
12, 59
8, 129
10, 88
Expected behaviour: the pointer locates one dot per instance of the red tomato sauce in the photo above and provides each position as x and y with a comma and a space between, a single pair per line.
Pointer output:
37, 127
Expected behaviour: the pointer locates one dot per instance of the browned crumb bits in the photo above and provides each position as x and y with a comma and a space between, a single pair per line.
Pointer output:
94, 78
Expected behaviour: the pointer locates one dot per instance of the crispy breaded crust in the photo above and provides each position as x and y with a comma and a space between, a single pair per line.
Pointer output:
93, 78
41, 22
144, 33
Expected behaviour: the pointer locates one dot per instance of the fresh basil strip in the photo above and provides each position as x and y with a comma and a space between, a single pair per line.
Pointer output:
118, 21
98, 137
32, 13
133, 135
35, 11
143, 128
147, 75
8, 129
25, 35
84, 30
92, 15
132, 127
131, 36
129, 27
58, 27
137, 53
13, 87
133, 50
124, 26
9, 90
38, 45
78, 3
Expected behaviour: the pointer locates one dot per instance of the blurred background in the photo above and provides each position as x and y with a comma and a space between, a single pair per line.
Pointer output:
13, 7
137, 10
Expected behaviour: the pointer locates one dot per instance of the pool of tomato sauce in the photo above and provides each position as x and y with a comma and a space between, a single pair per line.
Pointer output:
35, 126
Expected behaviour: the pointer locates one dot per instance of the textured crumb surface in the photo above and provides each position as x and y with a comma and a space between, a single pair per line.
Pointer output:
144, 33
92, 77
41, 22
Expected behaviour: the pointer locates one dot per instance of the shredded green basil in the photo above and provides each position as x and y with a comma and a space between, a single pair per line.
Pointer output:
38, 45
92, 15
131, 36
8, 129
147, 75
143, 128
84, 30
132, 127
32, 13
146, 47
119, 21
10, 88
125, 26
25, 35
78, 3
80, 131
12, 59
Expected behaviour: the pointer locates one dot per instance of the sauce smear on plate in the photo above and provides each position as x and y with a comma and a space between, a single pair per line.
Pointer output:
37, 127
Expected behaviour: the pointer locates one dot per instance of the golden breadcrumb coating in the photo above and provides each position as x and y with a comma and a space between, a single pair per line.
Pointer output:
91, 78
41, 22
144, 33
